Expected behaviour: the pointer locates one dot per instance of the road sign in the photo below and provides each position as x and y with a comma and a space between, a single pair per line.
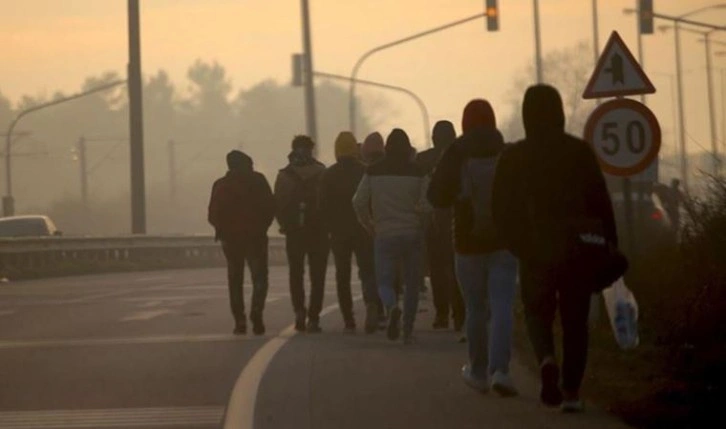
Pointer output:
617, 73
625, 136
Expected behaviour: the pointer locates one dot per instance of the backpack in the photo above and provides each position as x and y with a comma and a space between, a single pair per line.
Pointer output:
477, 179
302, 210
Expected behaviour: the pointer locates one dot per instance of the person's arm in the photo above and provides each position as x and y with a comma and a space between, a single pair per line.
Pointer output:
283, 193
508, 212
268, 205
597, 196
423, 204
324, 190
443, 188
213, 209
362, 203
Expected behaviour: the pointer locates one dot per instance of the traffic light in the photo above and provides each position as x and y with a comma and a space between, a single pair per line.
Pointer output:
645, 17
492, 15
297, 69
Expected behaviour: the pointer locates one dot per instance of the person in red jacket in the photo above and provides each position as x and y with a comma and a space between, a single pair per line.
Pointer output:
241, 209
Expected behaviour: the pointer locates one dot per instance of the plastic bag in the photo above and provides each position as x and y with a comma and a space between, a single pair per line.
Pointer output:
622, 310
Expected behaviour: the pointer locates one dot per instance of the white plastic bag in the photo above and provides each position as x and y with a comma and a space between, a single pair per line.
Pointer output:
622, 310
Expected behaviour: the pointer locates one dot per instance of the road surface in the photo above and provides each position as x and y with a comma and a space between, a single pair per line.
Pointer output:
155, 350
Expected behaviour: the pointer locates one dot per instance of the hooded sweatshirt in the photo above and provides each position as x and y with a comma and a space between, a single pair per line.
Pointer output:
241, 205
338, 185
545, 181
443, 136
302, 168
391, 197
372, 149
481, 139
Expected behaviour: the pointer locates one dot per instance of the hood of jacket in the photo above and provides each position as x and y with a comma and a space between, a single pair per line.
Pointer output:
478, 113
398, 146
443, 135
543, 114
346, 146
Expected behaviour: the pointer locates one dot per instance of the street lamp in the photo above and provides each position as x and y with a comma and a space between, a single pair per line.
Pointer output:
367, 54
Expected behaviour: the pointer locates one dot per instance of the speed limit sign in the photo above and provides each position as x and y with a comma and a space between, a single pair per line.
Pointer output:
624, 135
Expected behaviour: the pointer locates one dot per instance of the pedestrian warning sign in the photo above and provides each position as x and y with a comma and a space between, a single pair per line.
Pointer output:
617, 73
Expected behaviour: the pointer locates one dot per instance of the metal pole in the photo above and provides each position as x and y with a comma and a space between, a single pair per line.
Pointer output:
82, 161
172, 170
640, 45
359, 63
309, 88
136, 123
681, 114
537, 43
712, 109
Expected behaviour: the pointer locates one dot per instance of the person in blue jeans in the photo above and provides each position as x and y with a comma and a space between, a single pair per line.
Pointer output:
486, 272
390, 203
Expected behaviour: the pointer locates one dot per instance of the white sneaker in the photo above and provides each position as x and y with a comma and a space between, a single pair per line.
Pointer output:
475, 383
502, 384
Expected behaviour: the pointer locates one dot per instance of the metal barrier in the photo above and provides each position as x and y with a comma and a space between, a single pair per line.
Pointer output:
56, 256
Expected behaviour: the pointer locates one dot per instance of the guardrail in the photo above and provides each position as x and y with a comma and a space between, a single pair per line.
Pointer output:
55, 256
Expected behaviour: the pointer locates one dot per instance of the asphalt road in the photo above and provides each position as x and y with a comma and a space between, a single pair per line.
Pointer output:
155, 350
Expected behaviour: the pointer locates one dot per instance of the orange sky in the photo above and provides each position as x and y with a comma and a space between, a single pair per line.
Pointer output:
49, 45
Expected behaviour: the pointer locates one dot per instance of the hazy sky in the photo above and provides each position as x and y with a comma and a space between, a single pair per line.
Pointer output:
53, 44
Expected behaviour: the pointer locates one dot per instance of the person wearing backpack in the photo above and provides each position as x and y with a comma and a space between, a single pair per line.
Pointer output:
439, 237
390, 203
298, 213
347, 236
548, 193
485, 270
241, 209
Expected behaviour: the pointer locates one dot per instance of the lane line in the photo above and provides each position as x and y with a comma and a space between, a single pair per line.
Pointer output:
240, 413
144, 315
163, 339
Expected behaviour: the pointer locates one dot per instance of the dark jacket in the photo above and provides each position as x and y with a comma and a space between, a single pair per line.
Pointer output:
445, 186
337, 187
241, 205
546, 181
286, 185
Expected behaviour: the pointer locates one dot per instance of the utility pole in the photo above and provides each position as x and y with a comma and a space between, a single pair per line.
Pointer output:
172, 170
711, 108
312, 129
537, 43
82, 161
136, 123
681, 114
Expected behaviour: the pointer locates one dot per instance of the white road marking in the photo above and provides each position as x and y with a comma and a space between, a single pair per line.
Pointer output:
106, 418
241, 407
98, 296
166, 339
145, 315
151, 279
6, 312
173, 298
150, 304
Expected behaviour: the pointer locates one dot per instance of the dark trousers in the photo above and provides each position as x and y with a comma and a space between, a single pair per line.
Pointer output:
447, 295
312, 243
542, 294
254, 252
344, 247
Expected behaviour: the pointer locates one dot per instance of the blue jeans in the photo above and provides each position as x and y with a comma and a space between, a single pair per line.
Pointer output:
487, 283
405, 251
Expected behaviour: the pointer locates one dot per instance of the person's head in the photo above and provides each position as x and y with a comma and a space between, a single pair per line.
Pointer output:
302, 143
373, 147
238, 161
398, 145
346, 146
443, 134
542, 111
478, 113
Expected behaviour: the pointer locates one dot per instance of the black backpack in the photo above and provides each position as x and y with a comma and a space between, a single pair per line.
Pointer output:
302, 210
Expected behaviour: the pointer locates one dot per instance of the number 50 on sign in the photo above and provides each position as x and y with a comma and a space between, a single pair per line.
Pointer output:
624, 135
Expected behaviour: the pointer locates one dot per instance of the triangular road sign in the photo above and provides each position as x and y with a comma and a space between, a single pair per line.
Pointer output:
617, 73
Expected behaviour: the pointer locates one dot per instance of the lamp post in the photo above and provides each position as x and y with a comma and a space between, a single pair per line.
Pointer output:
537, 44
367, 54
310, 115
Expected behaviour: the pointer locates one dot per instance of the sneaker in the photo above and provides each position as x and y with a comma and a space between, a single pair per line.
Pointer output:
240, 328
481, 386
441, 322
300, 321
258, 327
350, 326
502, 384
394, 319
371, 324
314, 327
550, 395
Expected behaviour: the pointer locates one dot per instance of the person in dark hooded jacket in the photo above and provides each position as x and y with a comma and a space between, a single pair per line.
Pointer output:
347, 236
543, 184
439, 240
241, 209
486, 271
300, 219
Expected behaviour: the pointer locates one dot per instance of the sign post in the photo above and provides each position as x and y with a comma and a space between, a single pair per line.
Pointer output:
624, 134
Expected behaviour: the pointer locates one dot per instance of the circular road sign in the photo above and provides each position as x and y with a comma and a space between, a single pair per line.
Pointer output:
625, 136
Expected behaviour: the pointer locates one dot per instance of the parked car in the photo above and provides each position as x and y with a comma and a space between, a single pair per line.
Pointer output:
27, 226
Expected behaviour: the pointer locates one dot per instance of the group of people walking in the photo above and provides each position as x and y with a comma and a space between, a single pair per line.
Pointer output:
514, 209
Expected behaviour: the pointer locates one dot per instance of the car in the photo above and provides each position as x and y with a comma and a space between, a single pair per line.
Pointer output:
28, 226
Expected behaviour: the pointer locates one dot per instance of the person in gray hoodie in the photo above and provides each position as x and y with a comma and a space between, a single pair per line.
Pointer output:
391, 203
